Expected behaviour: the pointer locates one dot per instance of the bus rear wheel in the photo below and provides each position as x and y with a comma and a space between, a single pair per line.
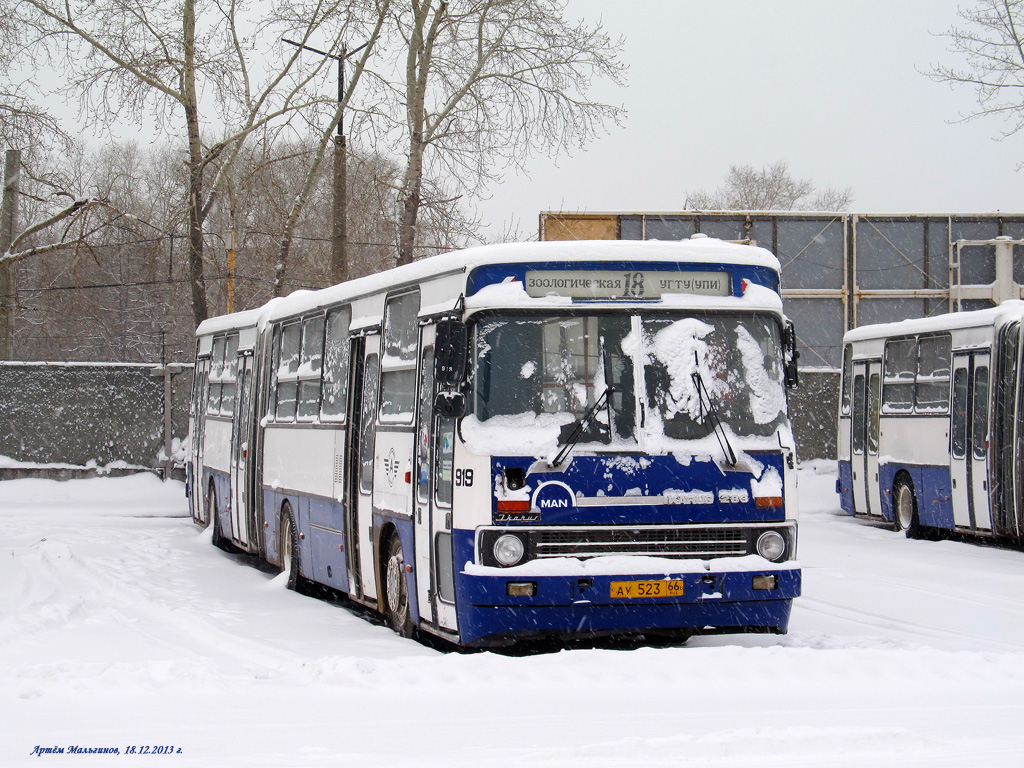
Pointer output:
289, 544
905, 508
211, 517
396, 601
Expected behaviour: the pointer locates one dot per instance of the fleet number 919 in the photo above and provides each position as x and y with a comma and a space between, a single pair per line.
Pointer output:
464, 477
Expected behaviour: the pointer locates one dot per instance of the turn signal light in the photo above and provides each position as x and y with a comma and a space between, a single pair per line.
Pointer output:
762, 502
520, 588
766, 582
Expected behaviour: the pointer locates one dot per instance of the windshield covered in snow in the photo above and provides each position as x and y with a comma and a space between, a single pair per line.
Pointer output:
738, 361
548, 371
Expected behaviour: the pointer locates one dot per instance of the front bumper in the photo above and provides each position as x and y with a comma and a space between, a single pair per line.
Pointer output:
582, 606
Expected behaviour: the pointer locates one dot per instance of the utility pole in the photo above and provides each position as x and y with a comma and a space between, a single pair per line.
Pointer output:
231, 270
339, 235
8, 274
339, 228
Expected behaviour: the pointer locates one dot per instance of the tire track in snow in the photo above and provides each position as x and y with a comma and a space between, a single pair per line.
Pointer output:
884, 621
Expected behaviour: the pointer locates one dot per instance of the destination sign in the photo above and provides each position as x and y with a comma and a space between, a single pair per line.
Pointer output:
628, 284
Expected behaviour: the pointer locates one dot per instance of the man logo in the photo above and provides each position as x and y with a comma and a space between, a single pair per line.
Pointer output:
554, 496
553, 503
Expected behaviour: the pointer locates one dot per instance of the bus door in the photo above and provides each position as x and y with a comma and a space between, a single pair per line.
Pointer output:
864, 435
241, 435
200, 395
359, 510
969, 441
435, 437
441, 473
423, 509
874, 491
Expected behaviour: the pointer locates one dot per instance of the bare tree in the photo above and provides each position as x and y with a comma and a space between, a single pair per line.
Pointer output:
265, 184
69, 225
771, 188
484, 83
991, 42
203, 63
107, 290
339, 270
22, 122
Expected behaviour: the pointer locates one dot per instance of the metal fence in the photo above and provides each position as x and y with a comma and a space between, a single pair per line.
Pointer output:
841, 271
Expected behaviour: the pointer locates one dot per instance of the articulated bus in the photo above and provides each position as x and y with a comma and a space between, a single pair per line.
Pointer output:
516, 441
931, 424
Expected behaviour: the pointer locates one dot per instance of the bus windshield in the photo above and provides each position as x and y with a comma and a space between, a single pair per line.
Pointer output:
555, 368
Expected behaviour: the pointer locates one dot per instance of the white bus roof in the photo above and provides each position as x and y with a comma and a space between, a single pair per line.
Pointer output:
1008, 310
234, 321
695, 250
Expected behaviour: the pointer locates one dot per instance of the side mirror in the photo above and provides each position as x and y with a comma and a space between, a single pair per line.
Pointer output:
451, 346
792, 376
450, 405
790, 355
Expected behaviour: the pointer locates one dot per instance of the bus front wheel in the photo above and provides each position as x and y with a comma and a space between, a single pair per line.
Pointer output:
396, 590
905, 508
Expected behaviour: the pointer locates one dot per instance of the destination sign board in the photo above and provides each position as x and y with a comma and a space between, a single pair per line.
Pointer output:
628, 284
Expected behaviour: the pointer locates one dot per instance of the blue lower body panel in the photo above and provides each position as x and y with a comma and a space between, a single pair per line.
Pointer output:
487, 615
932, 486
581, 604
844, 487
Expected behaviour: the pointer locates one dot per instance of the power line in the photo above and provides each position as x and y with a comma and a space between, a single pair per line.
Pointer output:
160, 239
142, 283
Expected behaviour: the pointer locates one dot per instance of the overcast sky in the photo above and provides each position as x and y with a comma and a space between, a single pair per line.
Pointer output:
833, 88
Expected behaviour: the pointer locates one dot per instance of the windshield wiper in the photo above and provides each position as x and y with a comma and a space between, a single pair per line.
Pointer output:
702, 392
581, 426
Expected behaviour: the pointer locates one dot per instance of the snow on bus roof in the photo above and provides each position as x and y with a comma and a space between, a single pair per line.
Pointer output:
1008, 310
696, 250
245, 319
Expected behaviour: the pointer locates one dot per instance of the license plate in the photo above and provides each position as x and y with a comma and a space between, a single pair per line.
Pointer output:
663, 588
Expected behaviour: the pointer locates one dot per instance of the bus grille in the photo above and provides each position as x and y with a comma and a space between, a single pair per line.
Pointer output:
655, 542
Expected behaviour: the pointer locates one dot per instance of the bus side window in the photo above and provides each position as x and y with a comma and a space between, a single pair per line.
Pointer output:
310, 367
216, 371
275, 362
900, 370
337, 352
932, 394
287, 373
847, 376
229, 375
398, 361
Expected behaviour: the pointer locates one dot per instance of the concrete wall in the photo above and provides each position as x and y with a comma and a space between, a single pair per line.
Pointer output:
813, 411
84, 413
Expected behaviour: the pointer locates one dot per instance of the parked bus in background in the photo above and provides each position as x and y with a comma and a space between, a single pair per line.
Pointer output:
930, 429
514, 441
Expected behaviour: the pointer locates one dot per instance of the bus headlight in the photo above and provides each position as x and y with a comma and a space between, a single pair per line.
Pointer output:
508, 549
771, 545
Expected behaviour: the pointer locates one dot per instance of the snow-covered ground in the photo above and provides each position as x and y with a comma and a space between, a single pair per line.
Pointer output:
121, 626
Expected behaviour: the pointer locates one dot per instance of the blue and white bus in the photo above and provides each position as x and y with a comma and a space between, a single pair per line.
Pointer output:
515, 441
930, 423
